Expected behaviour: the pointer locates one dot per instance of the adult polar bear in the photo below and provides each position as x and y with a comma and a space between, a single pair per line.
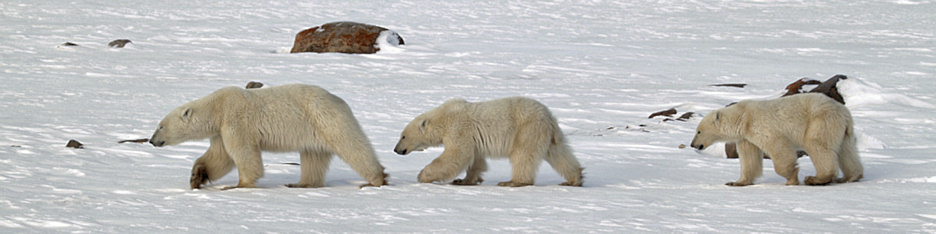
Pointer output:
240, 123
812, 122
519, 128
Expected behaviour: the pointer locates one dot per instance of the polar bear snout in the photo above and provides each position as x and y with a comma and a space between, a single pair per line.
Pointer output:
157, 143
401, 151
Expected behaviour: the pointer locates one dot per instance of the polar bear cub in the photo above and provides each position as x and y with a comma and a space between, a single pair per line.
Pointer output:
779, 127
517, 128
242, 122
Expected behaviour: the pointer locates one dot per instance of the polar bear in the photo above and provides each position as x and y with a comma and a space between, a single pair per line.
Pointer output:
517, 128
779, 127
242, 122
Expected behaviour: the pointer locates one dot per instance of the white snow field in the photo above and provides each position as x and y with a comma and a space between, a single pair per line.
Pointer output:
601, 66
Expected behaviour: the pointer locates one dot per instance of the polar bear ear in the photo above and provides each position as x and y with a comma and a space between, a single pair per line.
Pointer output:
423, 125
717, 117
186, 114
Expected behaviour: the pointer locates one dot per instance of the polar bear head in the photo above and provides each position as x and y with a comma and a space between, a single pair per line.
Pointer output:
721, 125
417, 136
184, 123
707, 132
428, 129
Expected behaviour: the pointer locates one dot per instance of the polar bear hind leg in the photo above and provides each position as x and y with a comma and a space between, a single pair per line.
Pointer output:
848, 159
562, 160
823, 153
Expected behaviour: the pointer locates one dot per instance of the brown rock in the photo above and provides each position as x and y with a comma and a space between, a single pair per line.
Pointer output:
119, 43
828, 88
340, 37
797, 86
74, 144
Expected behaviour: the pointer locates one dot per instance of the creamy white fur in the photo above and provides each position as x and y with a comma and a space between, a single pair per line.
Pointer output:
779, 127
241, 123
517, 128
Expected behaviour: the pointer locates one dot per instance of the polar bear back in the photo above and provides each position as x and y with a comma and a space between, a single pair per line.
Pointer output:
291, 117
780, 115
499, 121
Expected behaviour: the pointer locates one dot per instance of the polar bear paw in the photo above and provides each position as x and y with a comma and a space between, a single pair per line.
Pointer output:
199, 176
812, 180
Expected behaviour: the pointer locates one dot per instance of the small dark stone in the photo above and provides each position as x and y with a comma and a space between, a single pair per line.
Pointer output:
685, 116
119, 43
74, 144
69, 44
729, 85
254, 85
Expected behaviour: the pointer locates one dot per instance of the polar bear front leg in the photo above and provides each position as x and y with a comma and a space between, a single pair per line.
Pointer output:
453, 161
246, 156
473, 176
212, 165
751, 163
784, 160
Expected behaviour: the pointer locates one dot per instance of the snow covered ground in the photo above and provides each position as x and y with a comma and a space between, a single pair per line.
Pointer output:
601, 66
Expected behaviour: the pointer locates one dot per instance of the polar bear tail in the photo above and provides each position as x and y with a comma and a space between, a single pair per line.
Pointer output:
848, 159
562, 160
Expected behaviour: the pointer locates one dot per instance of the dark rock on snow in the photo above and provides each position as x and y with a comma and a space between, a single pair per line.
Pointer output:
119, 43
74, 144
254, 85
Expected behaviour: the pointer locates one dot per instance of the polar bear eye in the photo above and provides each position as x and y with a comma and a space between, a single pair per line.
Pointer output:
698, 132
403, 137
160, 127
